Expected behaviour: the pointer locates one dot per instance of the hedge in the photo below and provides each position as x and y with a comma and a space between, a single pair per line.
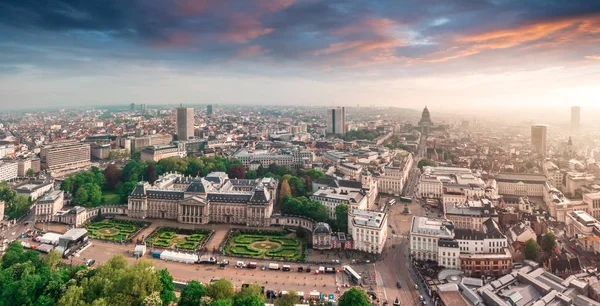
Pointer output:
167, 235
187, 245
244, 250
247, 239
195, 237
285, 241
277, 253
162, 242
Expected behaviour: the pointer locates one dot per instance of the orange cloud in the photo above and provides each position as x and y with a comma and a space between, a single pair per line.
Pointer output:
244, 30
540, 35
593, 57
358, 46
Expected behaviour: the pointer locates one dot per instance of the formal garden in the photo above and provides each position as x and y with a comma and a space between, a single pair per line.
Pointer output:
183, 239
265, 245
114, 230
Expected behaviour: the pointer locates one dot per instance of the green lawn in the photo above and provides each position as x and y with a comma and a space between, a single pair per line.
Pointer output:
111, 198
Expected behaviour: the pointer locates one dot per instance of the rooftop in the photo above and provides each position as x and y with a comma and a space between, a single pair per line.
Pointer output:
367, 218
438, 227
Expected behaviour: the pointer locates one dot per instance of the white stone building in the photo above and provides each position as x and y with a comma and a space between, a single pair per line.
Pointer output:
488, 240
156, 153
470, 214
580, 224
593, 202
395, 174
453, 185
531, 185
425, 234
8, 170
368, 230
47, 206
331, 197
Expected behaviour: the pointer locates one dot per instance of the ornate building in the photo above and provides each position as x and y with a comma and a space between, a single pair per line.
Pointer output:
425, 123
200, 200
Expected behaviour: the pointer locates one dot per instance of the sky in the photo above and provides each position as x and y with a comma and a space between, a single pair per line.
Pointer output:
448, 55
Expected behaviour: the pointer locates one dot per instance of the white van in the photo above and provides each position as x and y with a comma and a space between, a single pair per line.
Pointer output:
273, 266
239, 264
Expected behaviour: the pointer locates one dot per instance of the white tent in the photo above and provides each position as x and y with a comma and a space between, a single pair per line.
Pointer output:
179, 257
49, 238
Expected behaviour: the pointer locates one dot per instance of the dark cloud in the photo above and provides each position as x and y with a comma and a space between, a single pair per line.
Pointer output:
322, 32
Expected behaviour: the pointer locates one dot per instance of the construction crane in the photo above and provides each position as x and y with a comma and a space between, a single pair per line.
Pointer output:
593, 238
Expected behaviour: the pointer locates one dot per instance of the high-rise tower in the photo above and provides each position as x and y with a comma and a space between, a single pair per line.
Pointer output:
185, 123
209, 110
336, 120
538, 138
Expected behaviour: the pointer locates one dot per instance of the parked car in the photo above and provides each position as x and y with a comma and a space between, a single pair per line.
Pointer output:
90, 262
399, 284
416, 287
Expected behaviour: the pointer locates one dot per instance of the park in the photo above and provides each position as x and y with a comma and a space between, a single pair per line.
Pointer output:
268, 245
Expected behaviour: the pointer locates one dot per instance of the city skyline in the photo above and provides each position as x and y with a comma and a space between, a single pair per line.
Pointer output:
405, 54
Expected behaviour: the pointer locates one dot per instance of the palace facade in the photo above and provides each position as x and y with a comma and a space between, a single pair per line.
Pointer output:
200, 200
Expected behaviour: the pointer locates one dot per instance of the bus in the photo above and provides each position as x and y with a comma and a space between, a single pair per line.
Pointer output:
392, 202
405, 199
353, 275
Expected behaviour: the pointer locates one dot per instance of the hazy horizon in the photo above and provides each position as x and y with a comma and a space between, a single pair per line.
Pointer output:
472, 56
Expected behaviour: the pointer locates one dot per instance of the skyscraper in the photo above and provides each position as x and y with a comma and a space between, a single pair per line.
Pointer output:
336, 120
575, 117
132, 107
538, 138
185, 123
209, 110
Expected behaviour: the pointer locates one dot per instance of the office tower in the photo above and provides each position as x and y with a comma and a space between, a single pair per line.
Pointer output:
185, 123
132, 107
575, 117
62, 155
209, 110
538, 138
143, 107
336, 120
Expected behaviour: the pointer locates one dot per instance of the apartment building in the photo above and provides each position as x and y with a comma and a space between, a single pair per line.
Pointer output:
8, 170
47, 206
368, 230
156, 153
575, 180
488, 240
486, 264
331, 197
425, 234
350, 169
34, 189
553, 174
452, 184
519, 184
252, 159
395, 174
23, 165
593, 202
470, 214
580, 224
62, 155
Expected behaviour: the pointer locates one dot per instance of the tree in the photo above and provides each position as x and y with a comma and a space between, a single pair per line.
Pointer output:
251, 174
250, 291
18, 207
112, 174
289, 299
354, 297
285, 189
30, 172
192, 294
315, 174
72, 297
125, 190
261, 171
167, 294
153, 299
341, 217
238, 172
223, 302
249, 301
532, 250
548, 243
220, 290
151, 173
53, 259
426, 163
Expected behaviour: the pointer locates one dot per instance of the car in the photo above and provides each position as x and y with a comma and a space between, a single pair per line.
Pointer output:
372, 294
399, 284
421, 298
90, 262
416, 287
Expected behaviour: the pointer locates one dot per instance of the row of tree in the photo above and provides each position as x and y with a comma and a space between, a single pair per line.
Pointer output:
15, 205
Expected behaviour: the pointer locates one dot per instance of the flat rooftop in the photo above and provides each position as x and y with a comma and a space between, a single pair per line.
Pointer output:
367, 218
439, 227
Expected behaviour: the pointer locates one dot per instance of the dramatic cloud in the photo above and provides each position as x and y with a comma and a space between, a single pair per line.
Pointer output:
328, 40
